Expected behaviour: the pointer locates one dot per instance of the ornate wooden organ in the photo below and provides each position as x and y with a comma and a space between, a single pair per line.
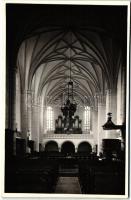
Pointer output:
68, 123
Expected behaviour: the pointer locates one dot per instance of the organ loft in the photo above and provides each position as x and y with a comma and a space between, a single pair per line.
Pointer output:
68, 124
66, 94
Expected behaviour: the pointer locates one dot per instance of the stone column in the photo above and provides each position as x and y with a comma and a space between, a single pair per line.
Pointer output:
119, 88
108, 101
29, 112
123, 96
24, 118
16, 119
123, 106
41, 130
95, 124
18, 102
76, 149
111, 106
12, 106
59, 148
44, 119
111, 103
35, 123
11, 100
91, 119
101, 120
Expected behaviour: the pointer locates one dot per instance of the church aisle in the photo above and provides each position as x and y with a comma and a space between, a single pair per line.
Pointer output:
68, 185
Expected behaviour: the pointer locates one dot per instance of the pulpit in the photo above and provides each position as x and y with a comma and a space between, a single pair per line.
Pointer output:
113, 146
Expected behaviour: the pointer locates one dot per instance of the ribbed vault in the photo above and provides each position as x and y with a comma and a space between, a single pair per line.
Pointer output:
44, 61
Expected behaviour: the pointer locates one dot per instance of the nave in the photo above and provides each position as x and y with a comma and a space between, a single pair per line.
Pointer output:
66, 94
68, 185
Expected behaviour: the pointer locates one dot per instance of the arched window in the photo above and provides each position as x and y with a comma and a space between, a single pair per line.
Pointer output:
49, 118
87, 118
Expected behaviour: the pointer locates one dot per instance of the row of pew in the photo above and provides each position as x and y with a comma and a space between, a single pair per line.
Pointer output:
36, 175
31, 176
102, 177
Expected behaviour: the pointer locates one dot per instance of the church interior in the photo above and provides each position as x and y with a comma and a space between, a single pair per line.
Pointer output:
65, 99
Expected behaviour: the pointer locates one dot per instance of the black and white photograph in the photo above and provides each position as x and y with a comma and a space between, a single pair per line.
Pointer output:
66, 99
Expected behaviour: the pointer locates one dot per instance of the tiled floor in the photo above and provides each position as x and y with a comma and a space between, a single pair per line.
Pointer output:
68, 185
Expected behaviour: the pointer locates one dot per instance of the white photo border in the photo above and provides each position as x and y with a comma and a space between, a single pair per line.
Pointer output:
2, 99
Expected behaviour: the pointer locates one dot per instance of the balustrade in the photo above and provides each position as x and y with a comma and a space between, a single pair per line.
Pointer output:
66, 136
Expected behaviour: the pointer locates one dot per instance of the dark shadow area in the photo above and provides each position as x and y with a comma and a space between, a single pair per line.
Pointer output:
39, 172
84, 148
68, 148
51, 146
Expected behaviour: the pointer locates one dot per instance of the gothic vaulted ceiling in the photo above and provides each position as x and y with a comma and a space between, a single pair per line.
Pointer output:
82, 38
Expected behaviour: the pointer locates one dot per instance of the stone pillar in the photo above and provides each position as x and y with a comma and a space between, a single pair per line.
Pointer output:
24, 117
59, 148
101, 120
111, 103
95, 124
16, 117
35, 123
18, 102
111, 106
91, 119
123, 96
76, 149
44, 120
11, 100
41, 130
29, 112
12, 106
119, 88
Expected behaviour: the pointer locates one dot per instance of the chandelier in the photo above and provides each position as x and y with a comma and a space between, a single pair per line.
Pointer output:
69, 107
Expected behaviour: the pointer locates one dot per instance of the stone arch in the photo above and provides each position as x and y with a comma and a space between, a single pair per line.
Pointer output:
67, 147
84, 147
51, 146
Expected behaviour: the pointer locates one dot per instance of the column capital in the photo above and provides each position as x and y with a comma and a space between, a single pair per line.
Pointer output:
101, 99
108, 92
35, 102
24, 91
29, 98
29, 91
111, 90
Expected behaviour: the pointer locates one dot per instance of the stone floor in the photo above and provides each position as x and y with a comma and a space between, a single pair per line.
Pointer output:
68, 185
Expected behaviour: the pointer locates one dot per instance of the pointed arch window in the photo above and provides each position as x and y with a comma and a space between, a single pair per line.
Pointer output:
87, 118
49, 118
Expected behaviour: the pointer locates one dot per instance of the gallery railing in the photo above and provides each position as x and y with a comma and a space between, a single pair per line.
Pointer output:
67, 136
